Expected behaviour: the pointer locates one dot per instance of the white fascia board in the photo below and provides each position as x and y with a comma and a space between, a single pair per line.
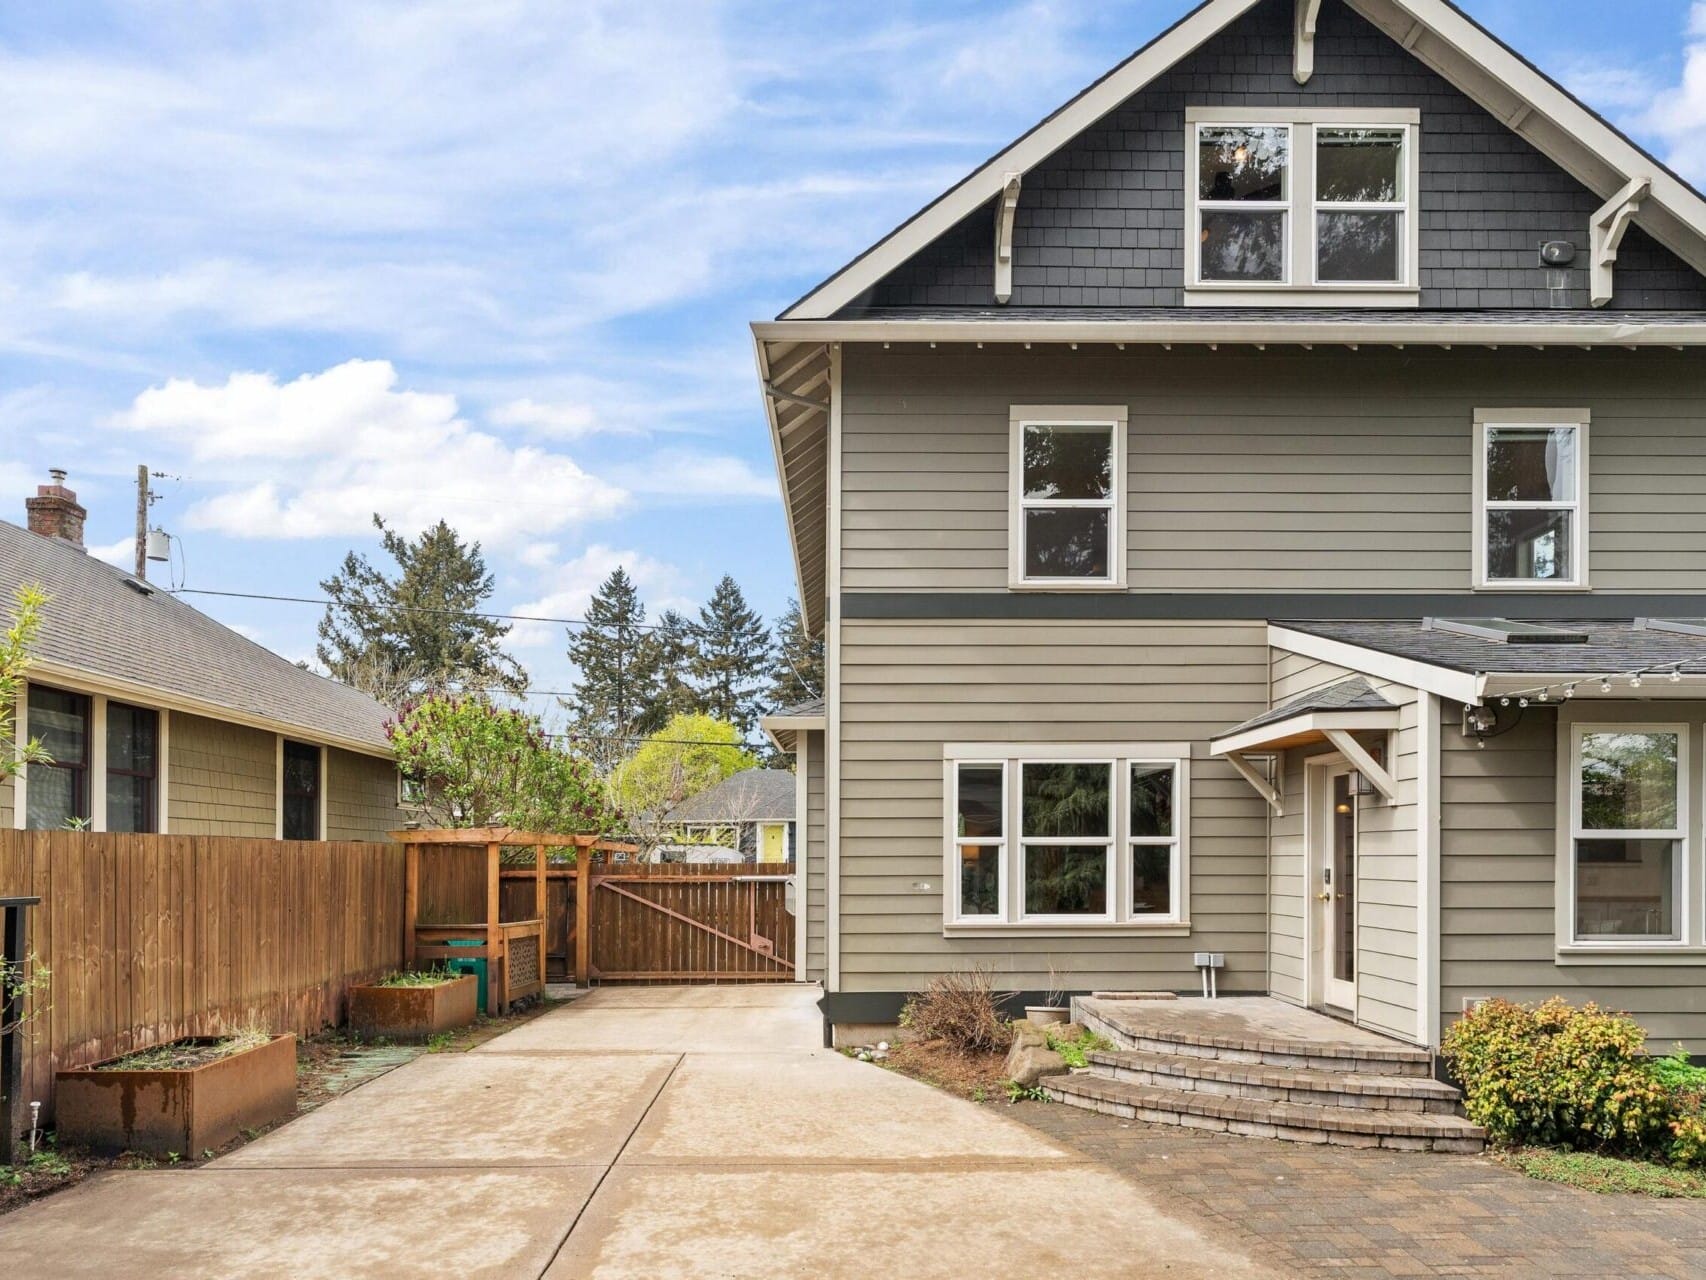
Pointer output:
1654, 684
1030, 150
1456, 686
1185, 332
1305, 722
1574, 123
45, 671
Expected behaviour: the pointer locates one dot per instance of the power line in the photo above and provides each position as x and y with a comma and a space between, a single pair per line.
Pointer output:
412, 608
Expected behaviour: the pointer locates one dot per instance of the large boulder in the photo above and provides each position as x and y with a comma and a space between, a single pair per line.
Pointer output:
1030, 1059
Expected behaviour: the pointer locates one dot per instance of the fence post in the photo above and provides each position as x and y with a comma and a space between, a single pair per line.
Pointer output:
411, 900
583, 916
494, 941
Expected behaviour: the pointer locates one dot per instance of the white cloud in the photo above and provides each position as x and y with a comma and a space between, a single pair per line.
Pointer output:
121, 553
1678, 114
316, 456
691, 476
569, 586
563, 420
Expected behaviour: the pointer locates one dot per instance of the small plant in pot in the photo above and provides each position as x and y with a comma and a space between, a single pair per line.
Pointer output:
1055, 1010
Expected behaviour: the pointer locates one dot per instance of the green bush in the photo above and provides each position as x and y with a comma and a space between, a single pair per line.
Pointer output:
1563, 1076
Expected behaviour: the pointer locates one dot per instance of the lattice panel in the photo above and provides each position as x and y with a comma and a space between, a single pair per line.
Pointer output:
523, 961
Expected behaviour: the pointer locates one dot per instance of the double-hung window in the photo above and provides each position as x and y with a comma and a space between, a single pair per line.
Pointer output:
1054, 838
1312, 202
1628, 833
57, 788
1065, 485
1531, 483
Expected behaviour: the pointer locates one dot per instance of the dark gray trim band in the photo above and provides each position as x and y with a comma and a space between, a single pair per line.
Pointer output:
1254, 606
882, 1008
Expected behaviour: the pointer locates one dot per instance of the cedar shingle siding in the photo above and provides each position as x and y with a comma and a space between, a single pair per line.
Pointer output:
361, 797
223, 779
1101, 223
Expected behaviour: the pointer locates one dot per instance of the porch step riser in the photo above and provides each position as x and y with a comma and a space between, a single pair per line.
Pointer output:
1260, 1129
1272, 1093
1395, 1065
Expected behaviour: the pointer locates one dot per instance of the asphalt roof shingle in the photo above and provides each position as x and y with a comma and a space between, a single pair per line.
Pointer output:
1613, 646
753, 795
102, 621
1354, 694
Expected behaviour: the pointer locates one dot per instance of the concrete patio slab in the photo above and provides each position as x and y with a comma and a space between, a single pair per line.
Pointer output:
771, 995
819, 1107
461, 1109
591, 1027
947, 1224
213, 1223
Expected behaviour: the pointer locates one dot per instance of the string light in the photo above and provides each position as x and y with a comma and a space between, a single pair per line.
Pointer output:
1670, 671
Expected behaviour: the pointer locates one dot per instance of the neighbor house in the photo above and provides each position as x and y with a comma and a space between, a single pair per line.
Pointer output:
1258, 522
159, 719
749, 816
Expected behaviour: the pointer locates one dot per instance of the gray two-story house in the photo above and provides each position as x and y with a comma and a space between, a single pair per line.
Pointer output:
1259, 517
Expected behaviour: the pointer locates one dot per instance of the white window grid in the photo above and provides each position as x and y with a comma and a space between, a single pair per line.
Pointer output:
1282, 206
999, 844
1679, 834
1105, 844
1169, 842
1400, 206
1577, 550
1108, 504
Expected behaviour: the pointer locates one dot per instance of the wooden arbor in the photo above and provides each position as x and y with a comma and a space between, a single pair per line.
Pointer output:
451, 896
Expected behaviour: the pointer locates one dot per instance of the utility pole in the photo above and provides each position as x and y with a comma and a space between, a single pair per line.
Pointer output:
142, 499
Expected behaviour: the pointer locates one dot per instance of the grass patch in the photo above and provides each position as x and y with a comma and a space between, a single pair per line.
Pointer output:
181, 1055
1608, 1175
1075, 1053
418, 978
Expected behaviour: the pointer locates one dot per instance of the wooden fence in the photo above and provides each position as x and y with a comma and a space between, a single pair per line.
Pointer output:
688, 923
150, 938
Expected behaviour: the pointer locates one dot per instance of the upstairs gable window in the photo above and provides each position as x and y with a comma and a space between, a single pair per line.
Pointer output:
1312, 202
1065, 484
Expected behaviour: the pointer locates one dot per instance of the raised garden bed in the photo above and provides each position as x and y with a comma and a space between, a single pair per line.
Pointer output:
179, 1099
413, 1006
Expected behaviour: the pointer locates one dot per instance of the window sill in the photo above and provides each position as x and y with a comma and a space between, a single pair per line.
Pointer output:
1021, 584
1518, 584
1631, 953
1060, 929
1285, 295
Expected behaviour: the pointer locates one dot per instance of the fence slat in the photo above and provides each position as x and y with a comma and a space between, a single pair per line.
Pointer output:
150, 938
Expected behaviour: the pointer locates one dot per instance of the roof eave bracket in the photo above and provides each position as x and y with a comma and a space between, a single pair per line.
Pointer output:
1609, 225
1303, 56
1006, 213
1263, 787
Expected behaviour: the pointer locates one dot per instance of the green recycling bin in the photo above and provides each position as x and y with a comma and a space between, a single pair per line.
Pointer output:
475, 965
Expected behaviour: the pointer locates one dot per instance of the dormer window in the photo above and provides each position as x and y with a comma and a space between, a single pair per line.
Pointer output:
1297, 207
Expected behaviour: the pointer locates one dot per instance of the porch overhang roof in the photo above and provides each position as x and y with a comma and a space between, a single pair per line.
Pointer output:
1306, 728
784, 727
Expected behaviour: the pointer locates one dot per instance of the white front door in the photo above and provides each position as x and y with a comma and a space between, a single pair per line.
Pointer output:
1335, 865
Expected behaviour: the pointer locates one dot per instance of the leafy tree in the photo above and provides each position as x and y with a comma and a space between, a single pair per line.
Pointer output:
15, 644
616, 695
479, 765
691, 752
732, 664
423, 623
798, 675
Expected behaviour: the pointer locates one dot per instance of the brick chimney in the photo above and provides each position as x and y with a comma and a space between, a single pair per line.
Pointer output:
54, 511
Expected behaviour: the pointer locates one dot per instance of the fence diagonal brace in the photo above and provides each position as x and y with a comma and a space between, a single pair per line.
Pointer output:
689, 920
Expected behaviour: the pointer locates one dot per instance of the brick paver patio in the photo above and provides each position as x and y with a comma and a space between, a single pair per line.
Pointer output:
1371, 1215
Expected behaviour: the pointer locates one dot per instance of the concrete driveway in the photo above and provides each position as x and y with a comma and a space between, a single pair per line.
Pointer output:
640, 1132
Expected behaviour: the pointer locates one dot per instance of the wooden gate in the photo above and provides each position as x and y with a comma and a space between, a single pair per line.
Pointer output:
642, 923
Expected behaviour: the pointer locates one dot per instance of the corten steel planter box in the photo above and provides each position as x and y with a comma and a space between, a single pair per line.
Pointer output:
187, 1110
413, 1013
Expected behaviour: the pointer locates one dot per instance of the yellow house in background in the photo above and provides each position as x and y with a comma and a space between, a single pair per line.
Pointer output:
750, 815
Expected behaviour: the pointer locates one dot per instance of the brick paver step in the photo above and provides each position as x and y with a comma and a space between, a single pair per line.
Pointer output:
1293, 1121
1279, 1084
1171, 1029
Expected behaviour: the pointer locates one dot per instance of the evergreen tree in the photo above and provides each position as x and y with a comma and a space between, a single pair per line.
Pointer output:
798, 674
422, 624
732, 664
616, 694
678, 642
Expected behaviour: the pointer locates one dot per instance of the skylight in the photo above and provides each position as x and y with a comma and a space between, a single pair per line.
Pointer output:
1675, 626
1505, 631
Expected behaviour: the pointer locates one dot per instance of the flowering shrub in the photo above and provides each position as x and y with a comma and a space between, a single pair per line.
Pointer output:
1561, 1075
473, 764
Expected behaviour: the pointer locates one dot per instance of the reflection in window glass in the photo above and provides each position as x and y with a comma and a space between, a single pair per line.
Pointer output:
301, 791
1075, 461
1359, 166
1243, 246
1071, 542
1063, 800
1530, 545
1151, 800
1357, 247
980, 819
1152, 880
1532, 488
1066, 880
1067, 497
1626, 890
1628, 838
57, 790
131, 750
980, 879
1531, 464
1243, 163
1629, 781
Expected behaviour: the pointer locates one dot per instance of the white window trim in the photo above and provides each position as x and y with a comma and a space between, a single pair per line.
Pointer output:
1302, 287
1688, 942
1576, 419
1020, 416
951, 896
1119, 919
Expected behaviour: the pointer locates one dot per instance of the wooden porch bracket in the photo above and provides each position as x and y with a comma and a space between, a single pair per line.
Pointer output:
1365, 764
1263, 787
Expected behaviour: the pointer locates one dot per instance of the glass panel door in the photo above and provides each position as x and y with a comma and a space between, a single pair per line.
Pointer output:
1337, 896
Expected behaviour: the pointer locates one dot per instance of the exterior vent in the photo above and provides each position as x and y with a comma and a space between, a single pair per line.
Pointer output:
140, 587
1505, 631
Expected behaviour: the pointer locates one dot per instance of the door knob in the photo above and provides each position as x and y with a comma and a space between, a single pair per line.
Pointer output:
1326, 895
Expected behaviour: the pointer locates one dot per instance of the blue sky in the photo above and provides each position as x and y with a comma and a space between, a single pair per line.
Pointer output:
496, 261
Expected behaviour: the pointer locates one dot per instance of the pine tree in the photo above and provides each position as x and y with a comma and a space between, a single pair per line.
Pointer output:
798, 674
617, 655
731, 665
676, 644
423, 625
